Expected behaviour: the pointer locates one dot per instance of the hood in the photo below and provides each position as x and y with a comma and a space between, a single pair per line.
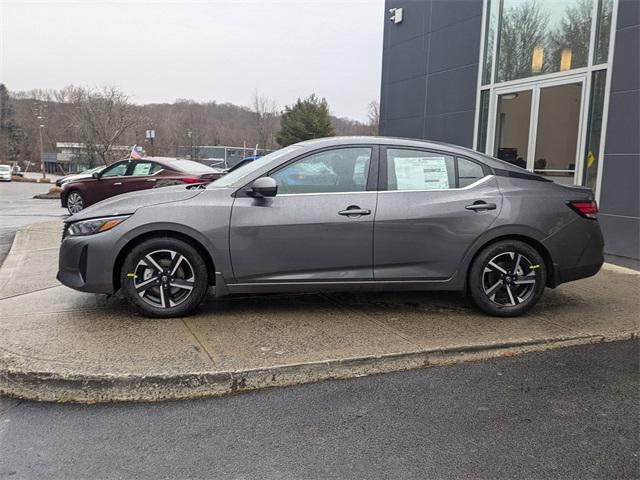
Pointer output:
128, 203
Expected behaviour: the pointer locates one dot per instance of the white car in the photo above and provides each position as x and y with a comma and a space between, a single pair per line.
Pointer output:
5, 173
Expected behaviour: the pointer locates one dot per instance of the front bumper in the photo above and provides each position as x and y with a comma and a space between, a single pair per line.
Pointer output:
85, 263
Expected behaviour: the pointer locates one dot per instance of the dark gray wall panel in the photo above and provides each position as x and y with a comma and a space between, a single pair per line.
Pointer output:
452, 90
626, 73
404, 127
623, 171
621, 235
405, 98
440, 54
456, 128
628, 13
399, 68
447, 12
619, 199
413, 25
455, 46
623, 124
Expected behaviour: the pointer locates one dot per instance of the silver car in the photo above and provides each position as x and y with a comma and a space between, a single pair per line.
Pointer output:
351, 213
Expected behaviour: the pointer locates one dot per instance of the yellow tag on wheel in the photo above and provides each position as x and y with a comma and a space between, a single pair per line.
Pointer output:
132, 275
533, 267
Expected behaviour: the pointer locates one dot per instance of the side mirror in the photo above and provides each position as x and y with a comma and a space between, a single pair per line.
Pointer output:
263, 187
96, 175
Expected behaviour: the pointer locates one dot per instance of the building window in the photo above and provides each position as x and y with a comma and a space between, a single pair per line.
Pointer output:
542, 36
603, 32
594, 129
483, 120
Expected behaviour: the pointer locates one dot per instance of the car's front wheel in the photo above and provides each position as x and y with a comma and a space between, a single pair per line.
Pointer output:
75, 201
507, 278
164, 277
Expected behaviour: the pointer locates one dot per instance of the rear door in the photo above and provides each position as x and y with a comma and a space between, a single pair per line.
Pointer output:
319, 227
431, 207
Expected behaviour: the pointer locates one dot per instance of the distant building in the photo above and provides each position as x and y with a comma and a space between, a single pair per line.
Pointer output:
72, 157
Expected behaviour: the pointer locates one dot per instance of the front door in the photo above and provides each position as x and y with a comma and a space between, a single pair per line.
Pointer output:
319, 227
433, 208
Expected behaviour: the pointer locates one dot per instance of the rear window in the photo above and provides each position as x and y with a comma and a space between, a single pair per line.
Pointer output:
190, 166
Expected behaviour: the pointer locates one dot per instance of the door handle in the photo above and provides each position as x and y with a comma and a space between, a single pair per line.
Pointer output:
480, 205
354, 211
117, 183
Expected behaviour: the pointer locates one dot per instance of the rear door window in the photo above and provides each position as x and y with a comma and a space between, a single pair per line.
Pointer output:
419, 170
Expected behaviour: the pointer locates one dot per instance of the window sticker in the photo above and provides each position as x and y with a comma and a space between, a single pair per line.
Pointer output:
142, 169
420, 173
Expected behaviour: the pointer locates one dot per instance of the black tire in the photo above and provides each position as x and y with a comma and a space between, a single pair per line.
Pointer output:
185, 284
75, 201
501, 290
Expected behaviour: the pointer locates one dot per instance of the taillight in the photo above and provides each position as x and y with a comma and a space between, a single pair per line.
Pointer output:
192, 180
585, 209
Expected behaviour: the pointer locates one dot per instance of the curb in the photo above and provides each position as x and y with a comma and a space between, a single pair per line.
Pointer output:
46, 387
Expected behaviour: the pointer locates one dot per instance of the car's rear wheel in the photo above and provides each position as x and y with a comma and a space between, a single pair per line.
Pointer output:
164, 277
507, 278
75, 201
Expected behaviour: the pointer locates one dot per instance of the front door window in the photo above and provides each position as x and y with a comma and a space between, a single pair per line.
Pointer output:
332, 171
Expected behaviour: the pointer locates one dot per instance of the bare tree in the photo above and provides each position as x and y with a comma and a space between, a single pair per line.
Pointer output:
374, 117
266, 116
103, 117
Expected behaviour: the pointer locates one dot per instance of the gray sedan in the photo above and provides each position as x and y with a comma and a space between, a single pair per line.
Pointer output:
352, 213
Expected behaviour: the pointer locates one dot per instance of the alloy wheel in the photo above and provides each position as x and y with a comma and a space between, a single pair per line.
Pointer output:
164, 278
75, 203
509, 279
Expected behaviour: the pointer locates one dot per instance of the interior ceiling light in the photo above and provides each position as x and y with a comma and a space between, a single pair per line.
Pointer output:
536, 59
565, 59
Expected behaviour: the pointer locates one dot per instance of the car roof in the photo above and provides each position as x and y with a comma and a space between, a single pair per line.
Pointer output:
411, 142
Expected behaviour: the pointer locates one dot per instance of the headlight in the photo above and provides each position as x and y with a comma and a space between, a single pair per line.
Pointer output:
95, 225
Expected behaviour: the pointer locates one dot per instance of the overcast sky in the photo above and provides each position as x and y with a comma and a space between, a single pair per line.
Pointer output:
203, 50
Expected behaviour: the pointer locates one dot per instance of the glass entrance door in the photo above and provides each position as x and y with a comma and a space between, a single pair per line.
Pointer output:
558, 128
538, 126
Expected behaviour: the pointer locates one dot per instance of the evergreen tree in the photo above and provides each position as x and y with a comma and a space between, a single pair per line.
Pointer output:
10, 136
306, 119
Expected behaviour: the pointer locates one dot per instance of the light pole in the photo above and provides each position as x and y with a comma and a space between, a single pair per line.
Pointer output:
41, 118
190, 135
151, 135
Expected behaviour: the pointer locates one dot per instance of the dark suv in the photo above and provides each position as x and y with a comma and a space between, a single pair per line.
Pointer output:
132, 175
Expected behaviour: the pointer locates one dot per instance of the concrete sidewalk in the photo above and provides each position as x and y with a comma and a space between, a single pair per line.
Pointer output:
60, 345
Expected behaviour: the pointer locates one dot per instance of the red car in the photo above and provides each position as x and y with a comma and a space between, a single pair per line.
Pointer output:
132, 175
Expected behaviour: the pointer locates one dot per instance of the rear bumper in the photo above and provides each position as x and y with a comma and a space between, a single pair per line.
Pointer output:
577, 251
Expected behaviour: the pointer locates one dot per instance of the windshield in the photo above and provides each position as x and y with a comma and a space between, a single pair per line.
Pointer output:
250, 167
190, 166
5, 168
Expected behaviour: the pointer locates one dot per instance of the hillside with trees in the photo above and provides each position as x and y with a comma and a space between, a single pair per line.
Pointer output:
104, 117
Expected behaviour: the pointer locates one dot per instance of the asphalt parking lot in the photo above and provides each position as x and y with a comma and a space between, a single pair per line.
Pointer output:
19, 208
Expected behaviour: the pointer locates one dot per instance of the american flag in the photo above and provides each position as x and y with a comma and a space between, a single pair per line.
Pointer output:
134, 154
